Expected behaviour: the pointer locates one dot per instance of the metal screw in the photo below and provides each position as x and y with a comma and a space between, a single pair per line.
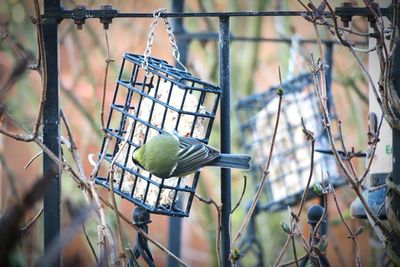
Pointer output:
106, 21
346, 19
80, 10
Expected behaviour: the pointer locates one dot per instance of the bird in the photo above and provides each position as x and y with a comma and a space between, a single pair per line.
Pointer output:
171, 155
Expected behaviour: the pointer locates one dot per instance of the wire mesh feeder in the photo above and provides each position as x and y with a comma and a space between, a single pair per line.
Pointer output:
145, 104
290, 166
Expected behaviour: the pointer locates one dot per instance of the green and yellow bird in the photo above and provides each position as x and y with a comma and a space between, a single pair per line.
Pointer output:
170, 155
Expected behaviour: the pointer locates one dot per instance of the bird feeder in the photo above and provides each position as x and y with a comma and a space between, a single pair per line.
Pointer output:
150, 100
290, 165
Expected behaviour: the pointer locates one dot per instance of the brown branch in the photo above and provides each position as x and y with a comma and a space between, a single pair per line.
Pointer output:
89, 243
349, 230
91, 191
373, 146
296, 217
139, 230
312, 139
218, 207
264, 177
318, 225
121, 250
32, 160
320, 87
20, 53
32, 221
335, 25
16, 73
90, 186
283, 250
296, 260
75, 155
348, 159
292, 261
103, 98
43, 63
241, 195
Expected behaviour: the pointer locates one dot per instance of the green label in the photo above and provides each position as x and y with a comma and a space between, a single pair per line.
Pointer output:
389, 149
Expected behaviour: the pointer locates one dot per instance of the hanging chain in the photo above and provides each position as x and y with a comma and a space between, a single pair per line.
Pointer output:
172, 41
150, 40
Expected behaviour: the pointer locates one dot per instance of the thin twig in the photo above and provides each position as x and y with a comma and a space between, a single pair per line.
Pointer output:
103, 99
320, 88
82, 184
20, 53
294, 251
263, 179
121, 253
351, 233
319, 223
242, 195
89, 243
292, 261
93, 192
16, 73
42, 62
341, 138
303, 199
139, 230
373, 146
75, 153
32, 221
218, 207
283, 250
32, 160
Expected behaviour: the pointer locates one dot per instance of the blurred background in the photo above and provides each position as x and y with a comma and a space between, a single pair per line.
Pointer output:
254, 67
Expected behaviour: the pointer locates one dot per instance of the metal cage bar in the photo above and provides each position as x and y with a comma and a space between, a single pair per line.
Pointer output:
138, 105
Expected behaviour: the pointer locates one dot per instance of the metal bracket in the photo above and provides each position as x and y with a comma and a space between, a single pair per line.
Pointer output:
347, 11
80, 13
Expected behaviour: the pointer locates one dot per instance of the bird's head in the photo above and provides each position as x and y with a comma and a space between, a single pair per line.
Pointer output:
137, 157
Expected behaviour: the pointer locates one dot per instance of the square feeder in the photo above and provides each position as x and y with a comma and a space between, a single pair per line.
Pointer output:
147, 103
290, 166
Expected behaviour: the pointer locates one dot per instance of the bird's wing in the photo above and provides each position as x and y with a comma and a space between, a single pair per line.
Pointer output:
193, 155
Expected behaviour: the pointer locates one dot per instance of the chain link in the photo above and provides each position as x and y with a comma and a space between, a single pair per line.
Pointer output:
150, 40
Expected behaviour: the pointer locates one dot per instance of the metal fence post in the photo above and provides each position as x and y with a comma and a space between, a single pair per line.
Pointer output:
51, 129
396, 144
328, 78
224, 74
175, 223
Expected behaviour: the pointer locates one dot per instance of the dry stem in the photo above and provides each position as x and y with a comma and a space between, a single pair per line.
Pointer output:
218, 207
263, 179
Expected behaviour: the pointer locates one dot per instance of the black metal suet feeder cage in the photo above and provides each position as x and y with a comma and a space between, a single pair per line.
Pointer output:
290, 164
147, 102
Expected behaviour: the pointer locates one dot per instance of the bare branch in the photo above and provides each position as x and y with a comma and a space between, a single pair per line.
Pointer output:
32, 160
218, 207
349, 230
264, 177
149, 238
241, 195
103, 99
89, 243
32, 221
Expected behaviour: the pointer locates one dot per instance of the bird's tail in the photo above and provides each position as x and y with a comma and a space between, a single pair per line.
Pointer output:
235, 161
